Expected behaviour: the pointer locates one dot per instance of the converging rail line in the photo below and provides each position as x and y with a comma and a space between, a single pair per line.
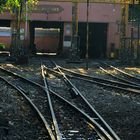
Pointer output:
96, 126
24, 94
57, 131
121, 75
125, 87
34, 97
90, 128
79, 100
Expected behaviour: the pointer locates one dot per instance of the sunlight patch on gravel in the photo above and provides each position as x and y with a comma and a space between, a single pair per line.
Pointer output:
83, 71
136, 70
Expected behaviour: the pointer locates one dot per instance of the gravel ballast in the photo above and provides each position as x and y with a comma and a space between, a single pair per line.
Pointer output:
120, 110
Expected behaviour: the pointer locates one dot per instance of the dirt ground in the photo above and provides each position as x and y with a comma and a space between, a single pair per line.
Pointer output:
120, 110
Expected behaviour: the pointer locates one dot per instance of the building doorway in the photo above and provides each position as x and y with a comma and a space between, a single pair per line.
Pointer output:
97, 40
46, 37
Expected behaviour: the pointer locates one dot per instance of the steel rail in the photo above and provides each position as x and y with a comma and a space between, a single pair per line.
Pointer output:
88, 77
107, 85
25, 79
57, 131
42, 87
73, 90
76, 74
23, 93
119, 78
125, 73
98, 128
107, 127
96, 82
21, 77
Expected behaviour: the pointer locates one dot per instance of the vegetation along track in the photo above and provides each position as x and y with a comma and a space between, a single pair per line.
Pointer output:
74, 96
85, 126
120, 74
111, 84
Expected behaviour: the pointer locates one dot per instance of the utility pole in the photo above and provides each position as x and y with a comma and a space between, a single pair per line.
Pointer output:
26, 30
74, 56
26, 20
138, 39
87, 36
138, 36
124, 23
132, 31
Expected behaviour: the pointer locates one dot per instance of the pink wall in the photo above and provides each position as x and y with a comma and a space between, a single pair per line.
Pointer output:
65, 15
100, 13
6, 15
103, 13
97, 12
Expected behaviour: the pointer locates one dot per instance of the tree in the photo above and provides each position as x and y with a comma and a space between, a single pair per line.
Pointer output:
2, 3
18, 10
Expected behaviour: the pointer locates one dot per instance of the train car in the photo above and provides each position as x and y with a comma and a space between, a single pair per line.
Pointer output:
46, 40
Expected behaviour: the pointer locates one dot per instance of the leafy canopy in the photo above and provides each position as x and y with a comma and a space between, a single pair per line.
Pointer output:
2, 4
15, 4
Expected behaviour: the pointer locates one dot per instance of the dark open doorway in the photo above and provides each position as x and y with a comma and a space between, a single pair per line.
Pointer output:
5, 23
97, 40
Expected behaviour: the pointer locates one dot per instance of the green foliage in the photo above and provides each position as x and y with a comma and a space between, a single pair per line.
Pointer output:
10, 4
2, 4
18, 8
2, 46
16, 5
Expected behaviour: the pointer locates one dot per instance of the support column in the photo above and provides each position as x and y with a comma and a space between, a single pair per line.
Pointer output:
74, 45
138, 40
27, 31
26, 35
87, 36
124, 24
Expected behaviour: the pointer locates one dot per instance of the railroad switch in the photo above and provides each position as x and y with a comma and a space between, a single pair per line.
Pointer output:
73, 93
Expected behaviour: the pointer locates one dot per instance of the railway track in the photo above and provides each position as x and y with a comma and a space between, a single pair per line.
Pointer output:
120, 74
112, 84
75, 97
20, 97
69, 126
35, 96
